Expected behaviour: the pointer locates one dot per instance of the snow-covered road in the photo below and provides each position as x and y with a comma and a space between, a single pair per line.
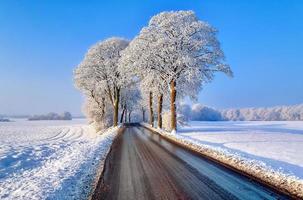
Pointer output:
49, 159
277, 144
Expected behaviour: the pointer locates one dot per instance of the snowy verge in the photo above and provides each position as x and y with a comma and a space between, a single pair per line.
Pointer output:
100, 168
274, 143
283, 182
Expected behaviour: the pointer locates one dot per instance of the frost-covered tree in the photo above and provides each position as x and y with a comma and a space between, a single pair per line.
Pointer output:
184, 52
94, 92
152, 86
139, 69
200, 112
185, 111
96, 116
152, 82
143, 106
159, 88
277, 113
101, 68
130, 98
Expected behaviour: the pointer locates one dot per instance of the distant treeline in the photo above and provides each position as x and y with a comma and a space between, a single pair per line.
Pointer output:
52, 116
199, 112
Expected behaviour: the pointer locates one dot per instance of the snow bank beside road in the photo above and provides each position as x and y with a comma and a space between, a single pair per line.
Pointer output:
54, 161
255, 168
277, 144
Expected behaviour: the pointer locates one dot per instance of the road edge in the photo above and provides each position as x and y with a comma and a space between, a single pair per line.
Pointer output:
101, 165
269, 179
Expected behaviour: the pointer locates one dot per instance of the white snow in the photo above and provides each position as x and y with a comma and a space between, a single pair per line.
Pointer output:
50, 159
277, 144
212, 140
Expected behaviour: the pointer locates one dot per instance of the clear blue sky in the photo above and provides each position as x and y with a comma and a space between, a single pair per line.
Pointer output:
42, 41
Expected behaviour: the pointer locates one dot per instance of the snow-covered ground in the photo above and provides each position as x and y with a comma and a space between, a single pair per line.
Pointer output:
278, 144
268, 151
50, 159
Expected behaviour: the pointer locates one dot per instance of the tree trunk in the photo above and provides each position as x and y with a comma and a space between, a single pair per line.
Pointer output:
125, 117
151, 111
122, 115
143, 115
173, 94
160, 103
129, 113
103, 107
116, 107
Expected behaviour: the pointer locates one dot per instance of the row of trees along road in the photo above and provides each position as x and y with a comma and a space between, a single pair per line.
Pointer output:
171, 58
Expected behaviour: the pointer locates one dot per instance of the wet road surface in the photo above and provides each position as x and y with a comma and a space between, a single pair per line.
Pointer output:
142, 165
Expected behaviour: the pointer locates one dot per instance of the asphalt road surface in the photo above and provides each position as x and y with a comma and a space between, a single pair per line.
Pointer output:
143, 165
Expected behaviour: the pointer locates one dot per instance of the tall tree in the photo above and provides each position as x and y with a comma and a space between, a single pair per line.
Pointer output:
143, 105
184, 52
96, 107
151, 81
102, 60
156, 88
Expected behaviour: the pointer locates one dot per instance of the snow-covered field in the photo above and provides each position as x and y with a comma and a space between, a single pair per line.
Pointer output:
50, 159
268, 151
278, 144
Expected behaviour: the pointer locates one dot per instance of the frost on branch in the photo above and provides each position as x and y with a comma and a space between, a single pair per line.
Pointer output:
101, 79
179, 52
129, 102
172, 57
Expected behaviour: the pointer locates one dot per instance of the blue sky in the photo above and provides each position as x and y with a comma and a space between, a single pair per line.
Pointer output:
42, 41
